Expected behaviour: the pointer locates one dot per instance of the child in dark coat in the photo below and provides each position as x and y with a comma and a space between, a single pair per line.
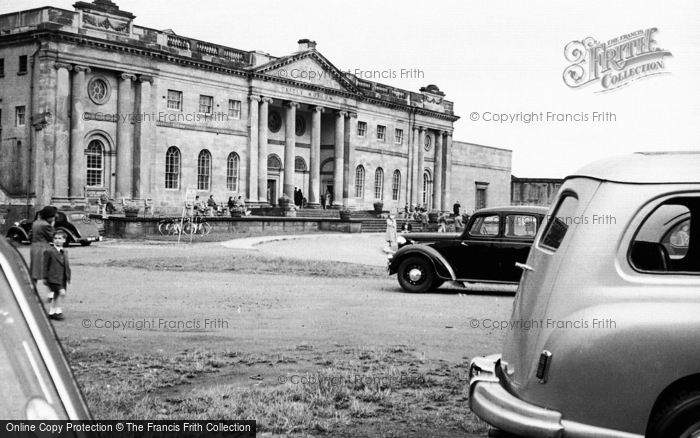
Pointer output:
56, 274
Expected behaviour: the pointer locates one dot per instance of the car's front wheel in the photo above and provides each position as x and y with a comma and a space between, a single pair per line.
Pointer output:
15, 237
416, 274
680, 418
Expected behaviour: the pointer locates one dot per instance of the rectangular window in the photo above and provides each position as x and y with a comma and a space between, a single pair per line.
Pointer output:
22, 64
19, 116
558, 223
361, 129
485, 226
175, 100
520, 225
206, 104
234, 109
2, 67
481, 200
381, 133
398, 136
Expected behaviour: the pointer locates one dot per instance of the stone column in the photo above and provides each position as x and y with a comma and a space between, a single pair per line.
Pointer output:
414, 167
144, 139
338, 159
349, 161
77, 145
447, 182
125, 137
421, 163
315, 158
253, 109
290, 139
61, 154
262, 148
437, 170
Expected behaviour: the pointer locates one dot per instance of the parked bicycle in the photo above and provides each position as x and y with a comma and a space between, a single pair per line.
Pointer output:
169, 226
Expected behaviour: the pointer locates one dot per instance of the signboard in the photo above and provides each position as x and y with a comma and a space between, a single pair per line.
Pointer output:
190, 195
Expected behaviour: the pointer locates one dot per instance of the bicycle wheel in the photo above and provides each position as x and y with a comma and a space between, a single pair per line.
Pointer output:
204, 228
164, 227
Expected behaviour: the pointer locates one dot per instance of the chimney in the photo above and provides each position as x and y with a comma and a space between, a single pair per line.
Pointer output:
306, 44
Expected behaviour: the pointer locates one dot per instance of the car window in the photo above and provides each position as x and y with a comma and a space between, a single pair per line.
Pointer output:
558, 224
520, 225
485, 226
667, 240
74, 217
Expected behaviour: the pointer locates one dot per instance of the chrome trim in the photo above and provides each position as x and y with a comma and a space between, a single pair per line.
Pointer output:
490, 401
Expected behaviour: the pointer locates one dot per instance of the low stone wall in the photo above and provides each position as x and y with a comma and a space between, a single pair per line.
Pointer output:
143, 227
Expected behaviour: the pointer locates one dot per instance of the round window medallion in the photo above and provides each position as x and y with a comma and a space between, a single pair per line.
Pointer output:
274, 121
300, 126
427, 143
99, 90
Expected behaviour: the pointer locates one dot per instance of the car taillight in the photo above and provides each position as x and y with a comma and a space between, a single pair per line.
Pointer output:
543, 365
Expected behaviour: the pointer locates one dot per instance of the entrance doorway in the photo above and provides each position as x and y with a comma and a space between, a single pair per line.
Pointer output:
272, 192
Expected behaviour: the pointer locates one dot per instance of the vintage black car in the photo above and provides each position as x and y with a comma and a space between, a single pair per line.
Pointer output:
494, 240
77, 225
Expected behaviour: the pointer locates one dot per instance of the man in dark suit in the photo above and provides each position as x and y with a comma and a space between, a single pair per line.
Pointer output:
56, 273
42, 236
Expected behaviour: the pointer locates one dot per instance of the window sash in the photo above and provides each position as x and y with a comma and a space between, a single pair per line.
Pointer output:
175, 100
234, 109
204, 171
381, 132
232, 172
172, 169
398, 136
205, 104
20, 116
396, 186
361, 129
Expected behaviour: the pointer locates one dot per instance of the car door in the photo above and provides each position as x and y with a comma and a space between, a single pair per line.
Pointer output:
472, 256
518, 234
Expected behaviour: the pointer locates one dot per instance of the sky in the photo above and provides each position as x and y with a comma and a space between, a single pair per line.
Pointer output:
504, 57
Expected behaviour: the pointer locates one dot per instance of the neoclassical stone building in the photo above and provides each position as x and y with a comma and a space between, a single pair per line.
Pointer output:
92, 103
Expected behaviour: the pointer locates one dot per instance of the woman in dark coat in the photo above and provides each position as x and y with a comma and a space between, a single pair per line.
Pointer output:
42, 236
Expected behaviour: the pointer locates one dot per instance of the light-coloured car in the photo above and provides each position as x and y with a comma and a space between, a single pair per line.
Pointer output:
604, 337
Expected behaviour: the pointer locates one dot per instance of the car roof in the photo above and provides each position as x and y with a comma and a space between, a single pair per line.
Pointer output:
534, 209
645, 168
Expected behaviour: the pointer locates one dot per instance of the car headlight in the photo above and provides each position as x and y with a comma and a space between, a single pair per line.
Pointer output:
401, 240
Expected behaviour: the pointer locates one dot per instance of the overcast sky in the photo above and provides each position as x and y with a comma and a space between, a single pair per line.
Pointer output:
488, 57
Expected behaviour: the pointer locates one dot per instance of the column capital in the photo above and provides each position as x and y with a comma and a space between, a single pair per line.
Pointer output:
146, 78
60, 65
341, 114
351, 114
291, 104
422, 128
440, 132
254, 98
81, 68
268, 100
127, 77
318, 109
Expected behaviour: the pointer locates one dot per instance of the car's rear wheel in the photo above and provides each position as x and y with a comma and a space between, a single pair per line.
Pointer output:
416, 274
679, 418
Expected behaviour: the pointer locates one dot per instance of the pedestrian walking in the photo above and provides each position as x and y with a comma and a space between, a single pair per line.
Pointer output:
442, 223
56, 273
424, 220
455, 208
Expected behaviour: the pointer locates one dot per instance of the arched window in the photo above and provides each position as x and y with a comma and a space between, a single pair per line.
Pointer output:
395, 185
95, 163
204, 170
172, 168
299, 164
232, 168
274, 164
327, 166
427, 189
360, 182
379, 183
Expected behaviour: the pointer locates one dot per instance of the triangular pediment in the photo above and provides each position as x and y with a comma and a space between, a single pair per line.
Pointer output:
309, 67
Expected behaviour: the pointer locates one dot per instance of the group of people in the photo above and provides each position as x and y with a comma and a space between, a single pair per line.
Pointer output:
48, 260
211, 208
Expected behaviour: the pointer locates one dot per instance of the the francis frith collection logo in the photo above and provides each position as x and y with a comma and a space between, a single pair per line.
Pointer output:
614, 63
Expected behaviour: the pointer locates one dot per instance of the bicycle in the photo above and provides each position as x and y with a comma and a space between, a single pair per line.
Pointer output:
169, 226
196, 225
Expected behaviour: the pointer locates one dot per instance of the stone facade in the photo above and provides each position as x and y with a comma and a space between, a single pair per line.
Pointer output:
112, 107
534, 191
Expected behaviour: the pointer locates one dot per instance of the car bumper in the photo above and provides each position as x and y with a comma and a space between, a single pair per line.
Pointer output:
491, 402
